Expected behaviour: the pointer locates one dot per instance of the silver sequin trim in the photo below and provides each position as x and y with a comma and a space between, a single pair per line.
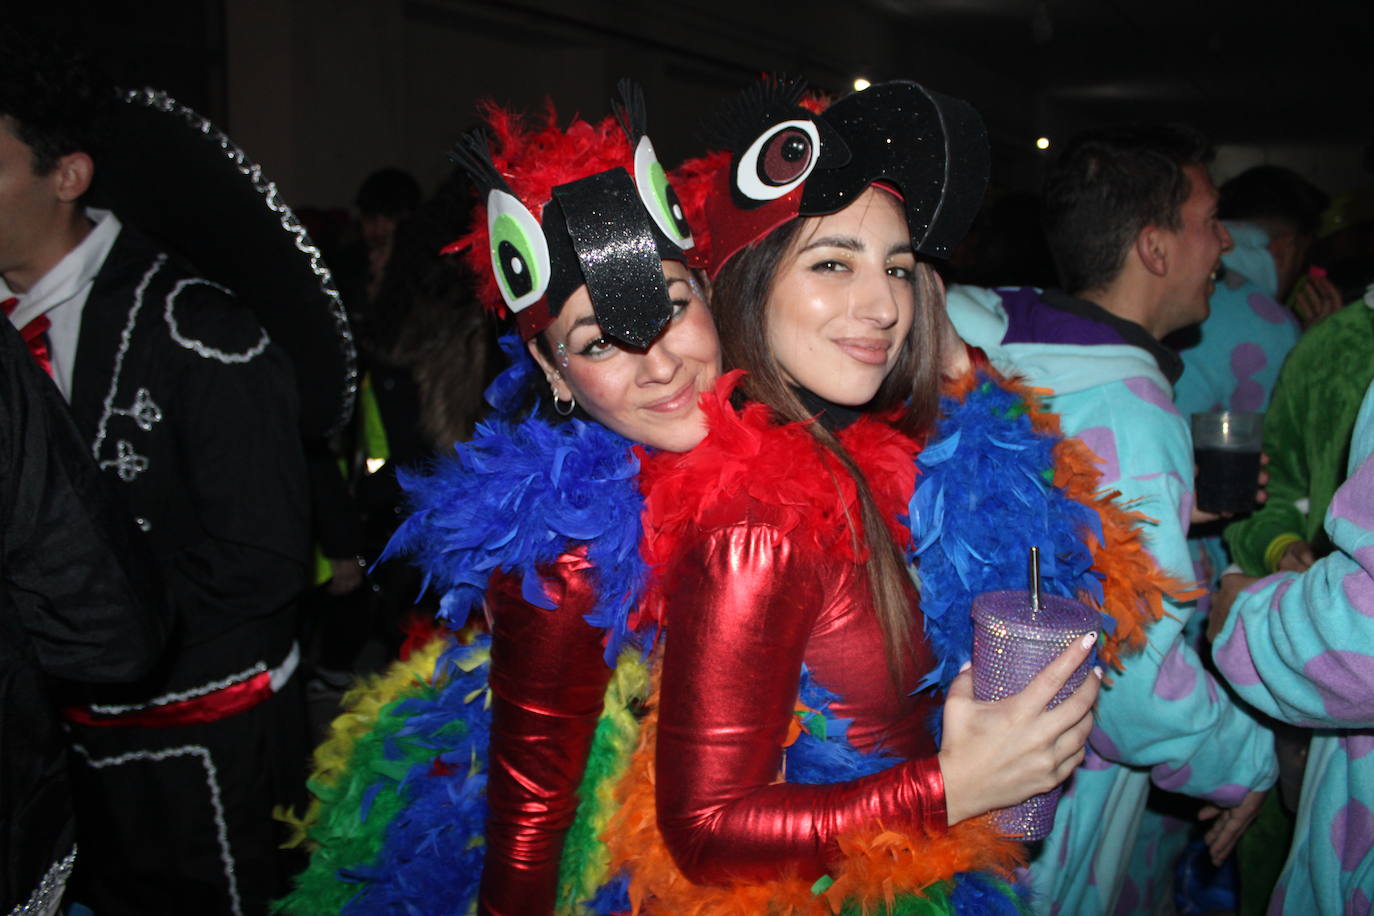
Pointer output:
124, 338
48, 895
199, 347
127, 463
280, 674
216, 802
143, 411
153, 98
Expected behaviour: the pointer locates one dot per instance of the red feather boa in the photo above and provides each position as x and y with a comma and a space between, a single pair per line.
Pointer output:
748, 454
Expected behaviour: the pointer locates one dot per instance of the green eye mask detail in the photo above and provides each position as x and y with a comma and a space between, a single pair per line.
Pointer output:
659, 197
666, 198
519, 254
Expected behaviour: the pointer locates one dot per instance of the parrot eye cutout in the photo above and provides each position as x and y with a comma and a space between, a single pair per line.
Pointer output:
796, 156
519, 253
659, 197
778, 160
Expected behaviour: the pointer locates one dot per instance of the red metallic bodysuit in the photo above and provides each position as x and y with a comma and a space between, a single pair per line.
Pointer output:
757, 579
547, 681
762, 577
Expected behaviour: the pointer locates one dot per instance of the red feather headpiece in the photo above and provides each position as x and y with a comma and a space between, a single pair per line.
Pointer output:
588, 203
534, 161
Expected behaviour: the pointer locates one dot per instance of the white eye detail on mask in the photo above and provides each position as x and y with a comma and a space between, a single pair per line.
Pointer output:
659, 197
778, 160
519, 254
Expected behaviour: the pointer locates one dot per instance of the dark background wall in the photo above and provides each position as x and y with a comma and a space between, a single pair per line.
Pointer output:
320, 92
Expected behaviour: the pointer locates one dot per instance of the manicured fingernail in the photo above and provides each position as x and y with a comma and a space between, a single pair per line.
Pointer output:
1089, 639
965, 666
1097, 670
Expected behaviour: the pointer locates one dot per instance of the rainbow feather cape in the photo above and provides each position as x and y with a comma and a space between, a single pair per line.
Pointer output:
400, 806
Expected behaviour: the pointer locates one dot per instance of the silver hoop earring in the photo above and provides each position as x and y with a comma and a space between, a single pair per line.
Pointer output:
553, 389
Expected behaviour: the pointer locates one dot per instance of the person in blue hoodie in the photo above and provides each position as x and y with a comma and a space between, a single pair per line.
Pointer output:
1300, 647
1130, 216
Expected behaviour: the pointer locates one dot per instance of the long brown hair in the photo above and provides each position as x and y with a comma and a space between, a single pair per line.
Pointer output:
739, 300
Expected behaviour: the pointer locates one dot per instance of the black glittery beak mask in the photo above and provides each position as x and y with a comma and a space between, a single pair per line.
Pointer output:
610, 230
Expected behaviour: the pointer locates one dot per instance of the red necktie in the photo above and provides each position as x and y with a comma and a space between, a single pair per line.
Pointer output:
34, 335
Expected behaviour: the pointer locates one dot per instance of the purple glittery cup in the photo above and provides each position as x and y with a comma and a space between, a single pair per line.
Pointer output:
1012, 643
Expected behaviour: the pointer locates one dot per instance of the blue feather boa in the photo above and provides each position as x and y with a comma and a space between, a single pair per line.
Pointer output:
986, 895
513, 389
516, 497
822, 754
983, 498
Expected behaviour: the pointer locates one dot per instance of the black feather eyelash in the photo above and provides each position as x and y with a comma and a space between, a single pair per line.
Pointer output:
738, 122
472, 153
630, 110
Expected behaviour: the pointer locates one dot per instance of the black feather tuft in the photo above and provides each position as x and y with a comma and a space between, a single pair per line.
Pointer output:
631, 111
473, 154
740, 120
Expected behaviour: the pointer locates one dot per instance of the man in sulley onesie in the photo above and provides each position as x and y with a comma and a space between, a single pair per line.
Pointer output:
1130, 216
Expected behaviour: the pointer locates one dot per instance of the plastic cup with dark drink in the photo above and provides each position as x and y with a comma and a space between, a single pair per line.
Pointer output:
1016, 633
1226, 448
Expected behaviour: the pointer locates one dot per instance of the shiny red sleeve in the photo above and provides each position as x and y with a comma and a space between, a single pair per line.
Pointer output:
742, 607
547, 681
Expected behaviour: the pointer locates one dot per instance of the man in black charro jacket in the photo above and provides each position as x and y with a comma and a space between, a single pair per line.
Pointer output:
191, 410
